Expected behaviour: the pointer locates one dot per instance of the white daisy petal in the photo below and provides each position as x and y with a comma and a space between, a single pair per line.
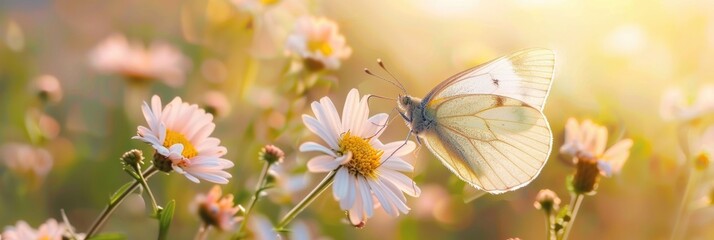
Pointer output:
313, 146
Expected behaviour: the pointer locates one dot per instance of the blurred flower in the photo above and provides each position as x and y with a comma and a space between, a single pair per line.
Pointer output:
588, 140
50, 230
116, 55
434, 202
703, 149
547, 200
47, 88
674, 104
217, 211
585, 143
26, 160
216, 103
353, 150
271, 21
318, 42
180, 135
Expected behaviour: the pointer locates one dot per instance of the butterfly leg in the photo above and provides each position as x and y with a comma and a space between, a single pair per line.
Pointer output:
384, 126
396, 150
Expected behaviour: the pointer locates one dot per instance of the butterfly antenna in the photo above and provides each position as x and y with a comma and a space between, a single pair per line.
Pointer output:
381, 64
366, 70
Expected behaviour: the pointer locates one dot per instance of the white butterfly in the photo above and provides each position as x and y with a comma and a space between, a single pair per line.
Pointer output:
486, 123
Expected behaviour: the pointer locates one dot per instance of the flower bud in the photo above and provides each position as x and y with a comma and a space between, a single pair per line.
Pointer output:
133, 157
547, 201
271, 154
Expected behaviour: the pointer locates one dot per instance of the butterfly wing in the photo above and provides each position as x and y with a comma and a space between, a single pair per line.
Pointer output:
494, 143
524, 75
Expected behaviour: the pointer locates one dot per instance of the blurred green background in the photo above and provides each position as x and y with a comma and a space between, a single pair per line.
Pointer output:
614, 60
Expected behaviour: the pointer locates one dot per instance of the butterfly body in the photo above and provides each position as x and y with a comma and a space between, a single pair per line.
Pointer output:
486, 124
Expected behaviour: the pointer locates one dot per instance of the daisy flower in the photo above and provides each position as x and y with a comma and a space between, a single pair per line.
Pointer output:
116, 55
588, 140
50, 230
180, 134
369, 173
318, 42
674, 105
217, 211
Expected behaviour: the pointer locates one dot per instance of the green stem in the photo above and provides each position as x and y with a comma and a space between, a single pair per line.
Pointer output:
548, 223
258, 190
154, 206
203, 231
578, 200
326, 182
680, 224
113, 205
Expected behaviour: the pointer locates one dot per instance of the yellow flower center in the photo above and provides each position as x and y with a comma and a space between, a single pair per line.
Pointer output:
173, 137
365, 159
320, 46
44, 237
269, 2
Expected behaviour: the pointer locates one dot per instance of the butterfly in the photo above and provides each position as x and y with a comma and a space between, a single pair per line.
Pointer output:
486, 124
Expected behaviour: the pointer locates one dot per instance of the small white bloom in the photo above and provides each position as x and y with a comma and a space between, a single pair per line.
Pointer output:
588, 140
675, 106
369, 173
116, 55
318, 42
180, 134
50, 230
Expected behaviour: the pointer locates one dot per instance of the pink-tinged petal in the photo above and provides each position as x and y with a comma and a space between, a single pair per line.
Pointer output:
156, 106
381, 196
312, 146
403, 182
394, 189
315, 127
208, 143
618, 154
394, 197
329, 116
375, 125
397, 164
178, 169
322, 163
366, 196
600, 141
191, 177
348, 111
210, 177
340, 186
349, 201
401, 148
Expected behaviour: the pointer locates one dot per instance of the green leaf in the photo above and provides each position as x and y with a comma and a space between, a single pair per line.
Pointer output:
132, 173
109, 236
165, 217
119, 192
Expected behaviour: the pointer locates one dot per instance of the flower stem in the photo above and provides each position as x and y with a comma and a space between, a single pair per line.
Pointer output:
142, 180
326, 182
113, 205
203, 231
680, 224
574, 213
548, 225
258, 190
